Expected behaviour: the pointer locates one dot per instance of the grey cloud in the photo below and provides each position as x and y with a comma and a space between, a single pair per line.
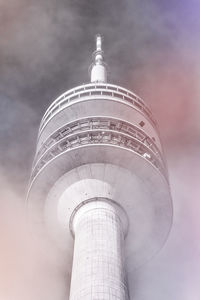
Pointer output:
46, 48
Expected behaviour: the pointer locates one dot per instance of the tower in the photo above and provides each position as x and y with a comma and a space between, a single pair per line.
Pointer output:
99, 183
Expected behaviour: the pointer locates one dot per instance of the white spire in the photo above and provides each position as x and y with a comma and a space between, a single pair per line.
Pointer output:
98, 68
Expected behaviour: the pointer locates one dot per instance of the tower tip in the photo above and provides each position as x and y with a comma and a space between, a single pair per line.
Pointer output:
98, 68
99, 40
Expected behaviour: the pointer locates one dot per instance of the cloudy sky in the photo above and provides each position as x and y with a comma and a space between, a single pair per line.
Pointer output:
153, 48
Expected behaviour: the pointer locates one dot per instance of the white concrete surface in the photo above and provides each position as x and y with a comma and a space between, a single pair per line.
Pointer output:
98, 271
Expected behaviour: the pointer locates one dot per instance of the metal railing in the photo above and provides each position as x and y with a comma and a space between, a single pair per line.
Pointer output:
101, 123
105, 137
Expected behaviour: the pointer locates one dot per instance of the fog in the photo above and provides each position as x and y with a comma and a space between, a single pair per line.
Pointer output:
151, 47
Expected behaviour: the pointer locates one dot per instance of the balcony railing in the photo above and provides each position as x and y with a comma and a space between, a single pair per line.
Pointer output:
103, 137
100, 123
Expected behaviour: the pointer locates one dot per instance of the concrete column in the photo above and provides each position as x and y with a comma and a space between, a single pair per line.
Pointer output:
98, 271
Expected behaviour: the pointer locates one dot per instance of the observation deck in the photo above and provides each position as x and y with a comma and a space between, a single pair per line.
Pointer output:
97, 91
97, 128
106, 125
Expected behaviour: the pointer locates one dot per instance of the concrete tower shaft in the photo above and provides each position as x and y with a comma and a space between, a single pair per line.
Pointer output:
98, 264
99, 175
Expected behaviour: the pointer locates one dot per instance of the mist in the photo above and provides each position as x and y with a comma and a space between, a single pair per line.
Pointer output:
151, 47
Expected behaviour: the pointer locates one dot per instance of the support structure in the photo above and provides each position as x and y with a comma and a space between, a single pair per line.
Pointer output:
98, 264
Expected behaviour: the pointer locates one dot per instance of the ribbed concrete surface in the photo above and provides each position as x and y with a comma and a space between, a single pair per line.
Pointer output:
98, 271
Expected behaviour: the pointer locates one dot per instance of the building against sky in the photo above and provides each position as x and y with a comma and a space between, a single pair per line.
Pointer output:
100, 184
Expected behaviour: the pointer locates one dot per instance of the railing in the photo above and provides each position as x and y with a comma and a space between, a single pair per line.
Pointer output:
99, 91
105, 137
100, 123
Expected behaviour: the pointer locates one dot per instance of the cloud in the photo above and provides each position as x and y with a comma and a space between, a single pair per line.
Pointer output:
152, 48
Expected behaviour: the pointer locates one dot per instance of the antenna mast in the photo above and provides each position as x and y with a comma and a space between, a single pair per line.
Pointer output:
98, 68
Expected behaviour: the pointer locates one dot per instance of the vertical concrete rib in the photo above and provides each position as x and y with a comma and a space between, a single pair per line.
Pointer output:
98, 264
